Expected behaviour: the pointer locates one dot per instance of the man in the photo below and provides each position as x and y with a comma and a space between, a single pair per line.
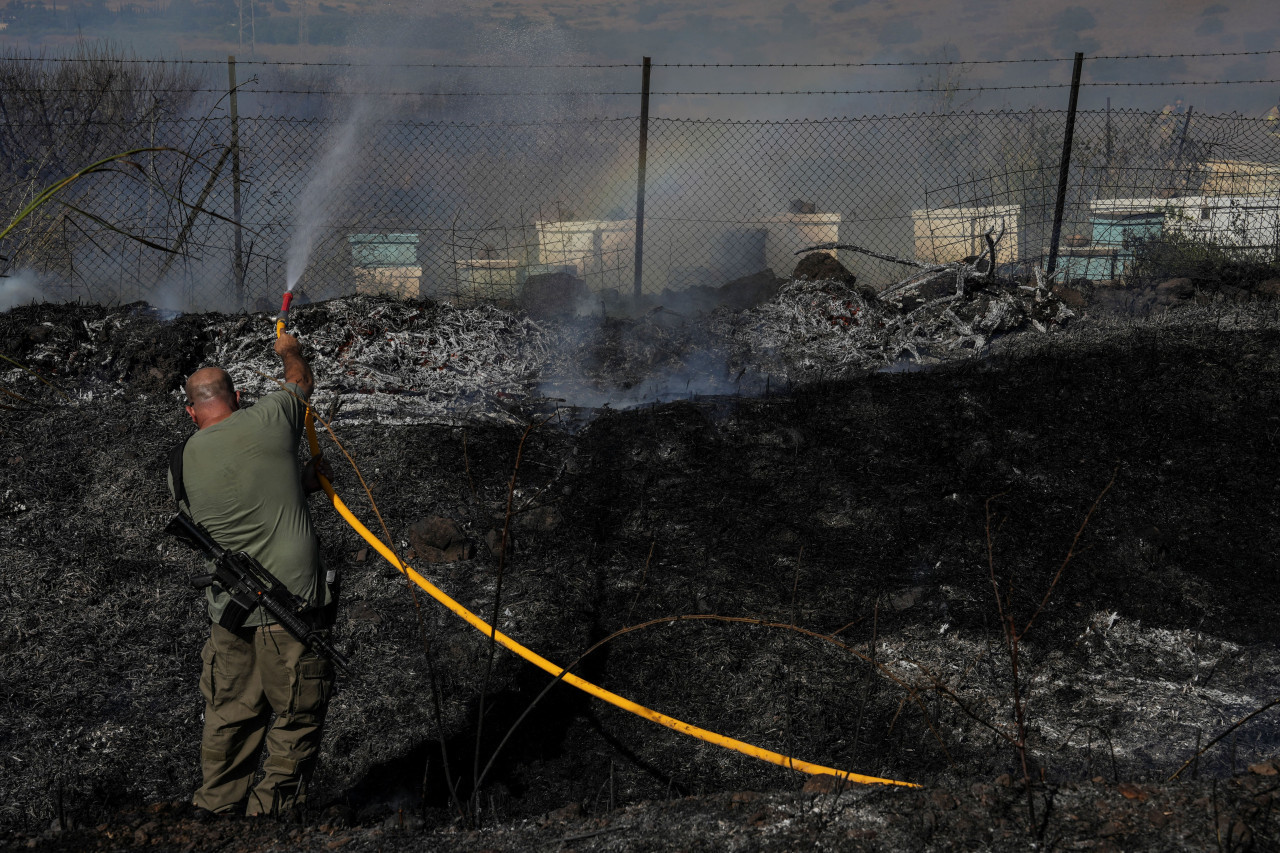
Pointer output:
241, 481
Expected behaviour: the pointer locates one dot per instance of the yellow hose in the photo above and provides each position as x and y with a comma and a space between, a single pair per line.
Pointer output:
569, 678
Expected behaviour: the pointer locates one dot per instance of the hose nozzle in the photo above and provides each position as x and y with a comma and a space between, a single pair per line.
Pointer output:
283, 317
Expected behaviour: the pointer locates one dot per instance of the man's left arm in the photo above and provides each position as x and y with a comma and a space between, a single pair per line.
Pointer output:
296, 369
312, 472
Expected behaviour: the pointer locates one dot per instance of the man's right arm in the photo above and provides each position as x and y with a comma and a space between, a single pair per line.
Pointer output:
295, 366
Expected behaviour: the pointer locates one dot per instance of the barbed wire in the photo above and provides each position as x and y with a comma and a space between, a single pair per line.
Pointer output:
683, 93
967, 88
298, 64
954, 61
294, 120
633, 65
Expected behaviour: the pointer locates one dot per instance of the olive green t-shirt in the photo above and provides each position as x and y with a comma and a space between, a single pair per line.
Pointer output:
242, 482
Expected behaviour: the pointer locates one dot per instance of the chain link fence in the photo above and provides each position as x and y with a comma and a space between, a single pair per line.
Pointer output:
206, 216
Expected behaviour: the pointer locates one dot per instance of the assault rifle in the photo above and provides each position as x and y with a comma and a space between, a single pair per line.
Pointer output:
250, 585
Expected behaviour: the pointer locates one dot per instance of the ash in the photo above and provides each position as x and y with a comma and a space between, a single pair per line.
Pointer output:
398, 362
804, 509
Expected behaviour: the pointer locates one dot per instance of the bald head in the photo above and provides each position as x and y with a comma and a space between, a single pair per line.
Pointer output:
211, 396
209, 383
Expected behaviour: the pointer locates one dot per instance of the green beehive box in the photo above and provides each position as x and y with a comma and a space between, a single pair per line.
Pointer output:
383, 250
1112, 229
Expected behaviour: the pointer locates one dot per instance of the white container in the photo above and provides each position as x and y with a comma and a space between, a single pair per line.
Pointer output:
488, 278
1249, 223
791, 232
404, 282
946, 235
1241, 178
601, 251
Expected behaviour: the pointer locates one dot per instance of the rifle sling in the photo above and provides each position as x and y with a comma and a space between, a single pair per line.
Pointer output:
319, 618
175, 473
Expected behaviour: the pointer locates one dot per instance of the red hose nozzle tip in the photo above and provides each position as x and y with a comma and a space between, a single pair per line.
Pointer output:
288, 297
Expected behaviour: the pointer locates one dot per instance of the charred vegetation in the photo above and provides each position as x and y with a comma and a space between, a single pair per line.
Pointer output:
809, 567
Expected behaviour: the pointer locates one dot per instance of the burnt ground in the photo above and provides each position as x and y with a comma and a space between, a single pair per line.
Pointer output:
838, 538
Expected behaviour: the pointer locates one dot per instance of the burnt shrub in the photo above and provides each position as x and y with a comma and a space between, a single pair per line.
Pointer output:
1210, 264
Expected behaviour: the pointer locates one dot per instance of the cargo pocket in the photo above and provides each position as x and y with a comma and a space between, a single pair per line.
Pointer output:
206, 672
313, 687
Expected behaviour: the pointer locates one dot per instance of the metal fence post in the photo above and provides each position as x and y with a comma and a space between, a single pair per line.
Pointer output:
640, 170
1182, 142
238, 246
1064, 167
1108, 160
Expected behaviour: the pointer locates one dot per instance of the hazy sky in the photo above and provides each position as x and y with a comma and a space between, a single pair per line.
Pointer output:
805, 31
868, 31
851, 30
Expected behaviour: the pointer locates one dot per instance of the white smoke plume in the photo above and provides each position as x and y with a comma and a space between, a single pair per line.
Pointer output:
21, 288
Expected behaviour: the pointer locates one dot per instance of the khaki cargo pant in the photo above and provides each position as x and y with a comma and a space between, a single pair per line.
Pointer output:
249, 676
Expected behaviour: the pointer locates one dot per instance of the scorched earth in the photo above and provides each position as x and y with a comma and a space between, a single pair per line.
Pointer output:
1020, 555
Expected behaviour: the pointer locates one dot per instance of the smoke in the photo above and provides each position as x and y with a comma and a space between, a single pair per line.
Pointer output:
21, 289
699, 372
198, 283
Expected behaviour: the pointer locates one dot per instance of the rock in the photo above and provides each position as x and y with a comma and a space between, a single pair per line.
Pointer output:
784, 536
493, 541
459, 551
749, 291
435, 532
825, 783
339, 815
1266, 768
1175, 290
1112, 299
362, 611
455, 553
1269, 289
1231, 293
944, 801
557, 294
566, 813
1131, 791
541, 519
436, 539
40, 333
1069, 296
819, 266
906, 599
1234, 833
